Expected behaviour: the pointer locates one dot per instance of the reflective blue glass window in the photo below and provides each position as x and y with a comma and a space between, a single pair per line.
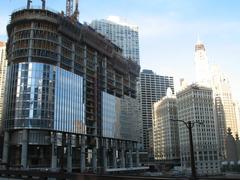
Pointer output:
44, 96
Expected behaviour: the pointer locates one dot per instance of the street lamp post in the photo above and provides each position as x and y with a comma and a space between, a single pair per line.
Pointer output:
190, 125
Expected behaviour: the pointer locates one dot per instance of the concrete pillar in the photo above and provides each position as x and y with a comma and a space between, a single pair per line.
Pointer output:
73, 56
82, 160
105, 158
114, 158
137, 156
54, 158
5, 147
122, 155
59, 50
54, 152
94, 159
24, 148
30, 43
69, 153
130, 156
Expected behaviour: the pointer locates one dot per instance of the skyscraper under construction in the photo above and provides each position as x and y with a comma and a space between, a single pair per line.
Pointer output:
70, 96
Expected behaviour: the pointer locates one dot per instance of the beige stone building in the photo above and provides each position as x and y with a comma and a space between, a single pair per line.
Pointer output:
225, 112
195, 104
165, 131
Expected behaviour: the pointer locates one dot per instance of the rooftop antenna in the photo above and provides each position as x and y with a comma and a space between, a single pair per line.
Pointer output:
29, 4
43, 4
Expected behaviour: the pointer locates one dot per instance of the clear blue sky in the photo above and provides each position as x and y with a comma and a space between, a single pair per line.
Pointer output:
168, 31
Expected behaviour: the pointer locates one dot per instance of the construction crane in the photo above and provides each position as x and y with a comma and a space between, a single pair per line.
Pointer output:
76, 12
30, 1
43, 4
29, 4
69, 9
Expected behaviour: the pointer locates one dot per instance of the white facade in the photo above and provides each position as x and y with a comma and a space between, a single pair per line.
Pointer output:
237, 110
201, 64
195, 104
120, 33
3, 69
152, 88
165, 131
225, 107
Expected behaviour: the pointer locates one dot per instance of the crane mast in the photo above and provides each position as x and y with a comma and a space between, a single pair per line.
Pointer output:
30, 1
69, 9
76, 12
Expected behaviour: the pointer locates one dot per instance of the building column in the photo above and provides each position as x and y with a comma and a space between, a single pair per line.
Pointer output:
137, 156
30, 43
54, 152
59, 50
114, 157
24, 148
5, 147
94, 159
130, 156
105, 156
69, 153
82, 160
122, 155
105, 159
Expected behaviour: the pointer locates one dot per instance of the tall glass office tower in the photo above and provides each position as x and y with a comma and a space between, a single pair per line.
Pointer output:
3, 69
122, 34
70, 96
152, 88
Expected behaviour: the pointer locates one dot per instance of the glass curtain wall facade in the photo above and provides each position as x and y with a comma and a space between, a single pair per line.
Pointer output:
69, 105
119, 117
3, 72
123, 35
44, 96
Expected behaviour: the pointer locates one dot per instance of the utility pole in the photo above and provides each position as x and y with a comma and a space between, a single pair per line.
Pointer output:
189, 126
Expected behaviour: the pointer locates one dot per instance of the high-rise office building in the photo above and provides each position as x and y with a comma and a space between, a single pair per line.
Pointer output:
237, 110
224, 107
68, 88
224, 110
121, 33
195, 104
165, 130
3, 69
125, 36
152, 88
201, 64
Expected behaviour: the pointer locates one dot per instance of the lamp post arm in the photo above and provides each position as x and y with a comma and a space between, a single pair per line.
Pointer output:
180, 121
